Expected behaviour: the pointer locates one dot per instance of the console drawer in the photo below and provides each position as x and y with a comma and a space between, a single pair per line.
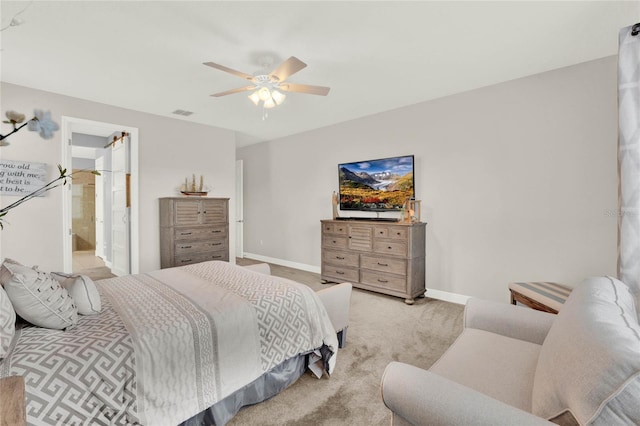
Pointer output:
340, 274
341, 258
398, 248
384, 264
383, 280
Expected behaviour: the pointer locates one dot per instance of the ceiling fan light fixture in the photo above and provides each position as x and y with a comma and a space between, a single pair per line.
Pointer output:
264, 94
255, 98
278, 97
269, 103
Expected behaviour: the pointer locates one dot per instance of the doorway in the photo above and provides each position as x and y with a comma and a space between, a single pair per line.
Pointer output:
92, 244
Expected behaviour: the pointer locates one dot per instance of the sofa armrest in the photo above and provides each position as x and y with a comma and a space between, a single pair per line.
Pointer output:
508, 320
425, 398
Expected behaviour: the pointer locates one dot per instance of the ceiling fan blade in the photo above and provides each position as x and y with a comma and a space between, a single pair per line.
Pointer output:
232, 91
305, 88
229, 70
287, 68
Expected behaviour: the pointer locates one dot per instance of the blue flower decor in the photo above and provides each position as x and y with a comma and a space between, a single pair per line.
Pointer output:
41, 123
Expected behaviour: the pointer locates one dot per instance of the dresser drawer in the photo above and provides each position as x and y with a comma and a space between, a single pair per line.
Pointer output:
383, 280
200, 233
201, 257
340, 274
334, 241
384, 264
340, 258
184, 248
334, 228
397, 248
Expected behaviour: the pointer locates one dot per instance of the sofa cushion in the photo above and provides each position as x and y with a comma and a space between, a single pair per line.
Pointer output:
589, 364
7, 322
37, 297
498, 366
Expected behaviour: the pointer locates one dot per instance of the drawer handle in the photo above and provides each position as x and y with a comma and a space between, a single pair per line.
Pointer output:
216, 257
339, 272
398, 234
339, 258
381, 232
185, 233
216, 231
389, 247
216, 244
185, 246
382, 281
383, 264
340, 229
185, 260
334, 241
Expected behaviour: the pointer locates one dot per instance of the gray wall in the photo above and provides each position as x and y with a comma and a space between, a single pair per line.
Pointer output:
518, 181
169, 150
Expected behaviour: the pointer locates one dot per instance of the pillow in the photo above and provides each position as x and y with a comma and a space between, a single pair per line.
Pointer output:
7, 322
589, 364
37, 297
83, 291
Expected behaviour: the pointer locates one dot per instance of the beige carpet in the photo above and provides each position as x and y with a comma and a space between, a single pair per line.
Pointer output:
382, 329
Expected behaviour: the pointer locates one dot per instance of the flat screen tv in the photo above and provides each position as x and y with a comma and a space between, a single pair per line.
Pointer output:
376, 185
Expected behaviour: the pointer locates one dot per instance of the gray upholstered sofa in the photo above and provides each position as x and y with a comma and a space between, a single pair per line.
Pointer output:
515, 366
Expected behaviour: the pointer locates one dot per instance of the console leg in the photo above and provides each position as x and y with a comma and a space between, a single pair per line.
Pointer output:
409, 301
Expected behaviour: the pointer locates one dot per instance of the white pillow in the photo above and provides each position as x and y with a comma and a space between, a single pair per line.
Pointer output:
83, 291
7, 322
37, 297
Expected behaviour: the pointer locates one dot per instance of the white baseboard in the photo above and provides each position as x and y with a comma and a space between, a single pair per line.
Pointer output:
281, 262
460, 299
432, 293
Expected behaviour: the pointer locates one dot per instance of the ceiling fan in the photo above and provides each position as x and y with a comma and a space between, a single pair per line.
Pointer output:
267, 86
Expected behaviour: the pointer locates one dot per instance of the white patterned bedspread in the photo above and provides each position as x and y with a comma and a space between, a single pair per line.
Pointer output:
168, 345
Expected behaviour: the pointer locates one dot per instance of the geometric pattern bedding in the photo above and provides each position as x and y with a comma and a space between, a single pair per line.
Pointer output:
83, 373
167, 345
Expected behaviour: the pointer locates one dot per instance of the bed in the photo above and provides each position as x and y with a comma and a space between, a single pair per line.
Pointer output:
187, 345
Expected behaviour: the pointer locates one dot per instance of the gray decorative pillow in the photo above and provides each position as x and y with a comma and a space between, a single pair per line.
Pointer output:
589, 364
7, 322
83, 291
37, 297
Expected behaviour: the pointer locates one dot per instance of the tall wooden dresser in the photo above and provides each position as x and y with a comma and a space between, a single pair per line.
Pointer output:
193, 230
386, 257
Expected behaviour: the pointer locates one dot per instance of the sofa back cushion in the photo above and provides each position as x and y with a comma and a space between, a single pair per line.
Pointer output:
589, 364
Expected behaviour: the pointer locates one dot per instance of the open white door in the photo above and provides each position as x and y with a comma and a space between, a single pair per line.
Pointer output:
119, 208
239, 210
100, 209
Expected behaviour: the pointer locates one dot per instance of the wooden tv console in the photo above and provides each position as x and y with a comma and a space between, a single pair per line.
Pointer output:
386, 257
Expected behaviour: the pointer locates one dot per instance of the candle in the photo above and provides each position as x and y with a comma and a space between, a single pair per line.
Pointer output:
201, 183
193, 183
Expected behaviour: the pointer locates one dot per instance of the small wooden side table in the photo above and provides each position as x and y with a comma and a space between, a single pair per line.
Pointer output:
543, 296
12, 403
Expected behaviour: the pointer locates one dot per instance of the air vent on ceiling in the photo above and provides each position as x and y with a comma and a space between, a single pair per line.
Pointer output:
183, 112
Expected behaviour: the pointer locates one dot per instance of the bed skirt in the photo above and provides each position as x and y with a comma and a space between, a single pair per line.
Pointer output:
264, 387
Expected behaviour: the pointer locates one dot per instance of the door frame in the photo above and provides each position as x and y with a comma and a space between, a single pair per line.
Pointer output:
68, 125
239, 209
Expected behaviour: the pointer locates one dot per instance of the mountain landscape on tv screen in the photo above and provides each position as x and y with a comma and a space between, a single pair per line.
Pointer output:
375, 190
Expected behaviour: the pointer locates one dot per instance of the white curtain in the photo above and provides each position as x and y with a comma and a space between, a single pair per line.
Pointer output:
629, 158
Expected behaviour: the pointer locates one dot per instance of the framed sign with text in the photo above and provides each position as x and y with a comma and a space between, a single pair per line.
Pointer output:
21, 177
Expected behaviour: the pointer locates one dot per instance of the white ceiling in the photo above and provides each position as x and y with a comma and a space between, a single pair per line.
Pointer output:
375, 56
